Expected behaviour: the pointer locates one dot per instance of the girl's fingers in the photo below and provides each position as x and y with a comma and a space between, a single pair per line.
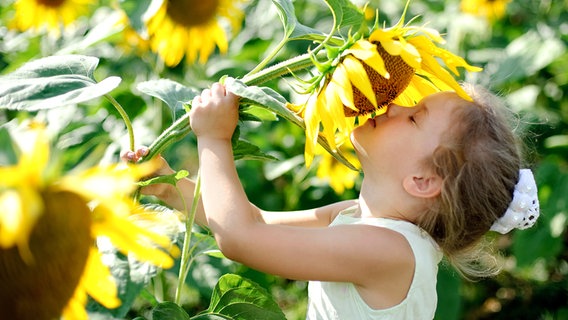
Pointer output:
129, 156
218, 89
142, 151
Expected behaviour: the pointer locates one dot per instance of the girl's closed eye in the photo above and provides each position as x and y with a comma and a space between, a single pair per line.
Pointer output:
412, 119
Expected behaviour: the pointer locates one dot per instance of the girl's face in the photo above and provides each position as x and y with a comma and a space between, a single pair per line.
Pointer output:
400, 139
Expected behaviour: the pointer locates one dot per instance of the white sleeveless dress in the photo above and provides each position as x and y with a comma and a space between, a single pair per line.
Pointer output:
341, 300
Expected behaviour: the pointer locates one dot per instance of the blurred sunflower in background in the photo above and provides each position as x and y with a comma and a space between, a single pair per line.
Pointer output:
338, 175
490, 9
400, 65
49, 225
191, 28
52, 15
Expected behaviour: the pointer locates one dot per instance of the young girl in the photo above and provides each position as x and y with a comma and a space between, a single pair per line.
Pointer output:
437, 177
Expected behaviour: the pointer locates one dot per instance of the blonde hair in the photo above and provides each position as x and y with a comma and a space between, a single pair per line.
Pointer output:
479, 161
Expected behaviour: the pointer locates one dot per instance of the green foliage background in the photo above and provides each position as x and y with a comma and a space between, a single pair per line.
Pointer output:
525, 59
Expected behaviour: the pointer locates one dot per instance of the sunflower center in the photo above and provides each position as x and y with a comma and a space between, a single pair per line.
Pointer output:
192, 12
386, 90
60, 243
51, 3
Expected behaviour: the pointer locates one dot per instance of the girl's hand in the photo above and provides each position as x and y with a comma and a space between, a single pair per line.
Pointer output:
160, 189
214, 113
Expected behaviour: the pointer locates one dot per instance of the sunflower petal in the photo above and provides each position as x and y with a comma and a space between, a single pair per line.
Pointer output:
359, 78
367, 51
98, 282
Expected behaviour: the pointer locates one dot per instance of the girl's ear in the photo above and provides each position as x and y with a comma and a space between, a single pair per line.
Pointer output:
427, 186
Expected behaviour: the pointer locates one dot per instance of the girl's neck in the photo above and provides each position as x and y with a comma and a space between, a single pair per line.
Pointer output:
379, 202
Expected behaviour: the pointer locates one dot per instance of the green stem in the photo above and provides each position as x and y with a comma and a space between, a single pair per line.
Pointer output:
187, 248
278, 70
268, 58
125, 117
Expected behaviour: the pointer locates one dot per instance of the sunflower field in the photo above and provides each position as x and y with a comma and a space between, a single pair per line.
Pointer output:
83, 81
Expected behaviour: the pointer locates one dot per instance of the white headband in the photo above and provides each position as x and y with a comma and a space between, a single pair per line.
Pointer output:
523, 211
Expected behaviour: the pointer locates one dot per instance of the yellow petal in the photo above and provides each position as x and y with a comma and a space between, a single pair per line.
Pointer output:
98, 281
367, 51
359, 78
340, 81
129, 238
75, 309
312, 123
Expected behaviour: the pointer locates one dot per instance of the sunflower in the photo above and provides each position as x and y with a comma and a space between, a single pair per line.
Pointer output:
191, 28
490, 9
48, 229
392, 65
49, 14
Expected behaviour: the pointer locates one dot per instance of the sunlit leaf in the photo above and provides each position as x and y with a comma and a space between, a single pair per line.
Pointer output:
169, 179
174, 94
263, 96
169, 311
242, 299
53, 82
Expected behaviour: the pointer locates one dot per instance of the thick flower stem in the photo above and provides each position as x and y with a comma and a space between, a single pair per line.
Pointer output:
285, 67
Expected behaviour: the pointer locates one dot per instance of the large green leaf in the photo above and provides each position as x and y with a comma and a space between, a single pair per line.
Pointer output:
239, 298
169, 311
53, 82
174, 94
265, 97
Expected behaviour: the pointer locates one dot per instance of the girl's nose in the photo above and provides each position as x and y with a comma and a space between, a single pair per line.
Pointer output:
393, 110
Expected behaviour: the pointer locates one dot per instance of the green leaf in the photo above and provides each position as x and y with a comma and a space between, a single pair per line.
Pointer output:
346, 13
293, 29
169, 311
53, 82
211, 316
170, 178
263, 96
258, 113
8, 154
246, 150
239, 298
174, 94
